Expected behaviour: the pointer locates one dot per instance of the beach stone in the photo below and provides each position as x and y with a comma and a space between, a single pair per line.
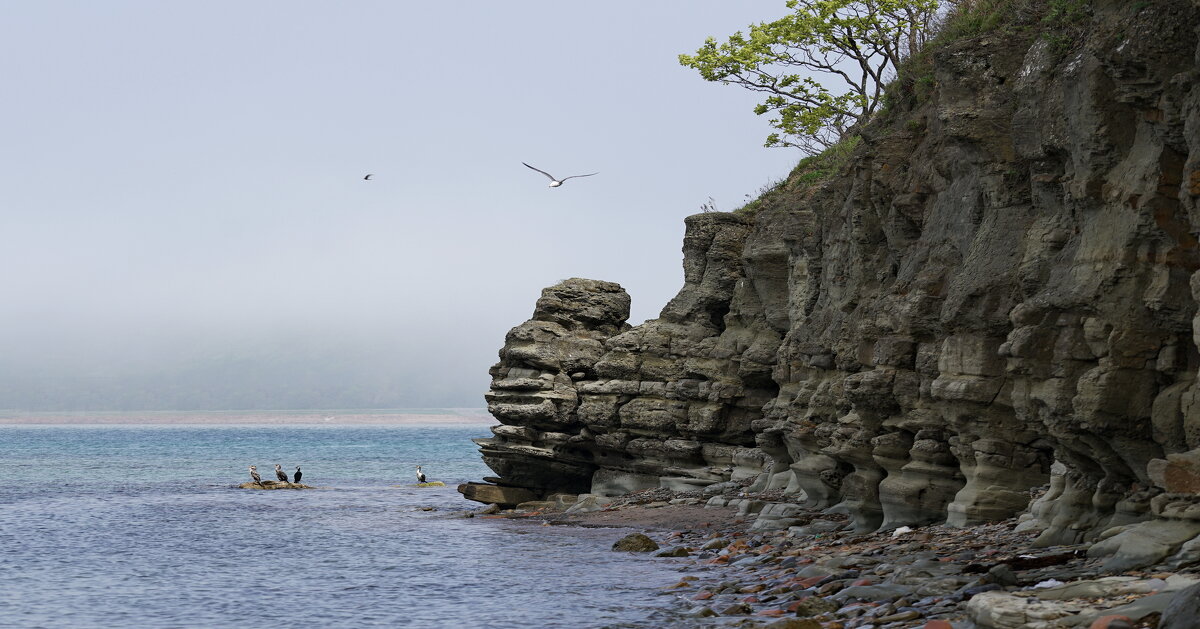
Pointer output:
1145, 544
911, 614
537, 505
488, 510
737, 609
1138, 609
1183, 612
677, 551
635, 543
715, 544
1112, 622
882, 592
1002, 575
974, 590
701, 612
937, 624
797, 623
999, 610
812, 606
588, 503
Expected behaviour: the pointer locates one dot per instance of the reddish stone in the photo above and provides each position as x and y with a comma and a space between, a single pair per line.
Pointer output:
703, 596
752, 589
863, 581
1112, 622
794, 605
772, 612
810, 581
750, 599
938, 624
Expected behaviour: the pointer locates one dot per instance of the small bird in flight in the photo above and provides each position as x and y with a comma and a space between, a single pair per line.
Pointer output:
368, 177
554, 183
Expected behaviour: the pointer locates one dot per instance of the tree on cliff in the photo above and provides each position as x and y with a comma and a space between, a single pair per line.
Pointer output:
854, 44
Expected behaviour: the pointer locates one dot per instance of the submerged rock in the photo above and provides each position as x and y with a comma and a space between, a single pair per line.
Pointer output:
635, 543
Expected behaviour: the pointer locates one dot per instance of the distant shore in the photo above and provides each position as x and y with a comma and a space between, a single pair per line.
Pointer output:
331, 417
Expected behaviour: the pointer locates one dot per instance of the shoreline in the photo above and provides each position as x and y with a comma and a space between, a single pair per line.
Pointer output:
456, 417
819, 576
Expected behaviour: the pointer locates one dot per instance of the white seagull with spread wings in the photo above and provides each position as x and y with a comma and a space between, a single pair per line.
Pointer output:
554, 183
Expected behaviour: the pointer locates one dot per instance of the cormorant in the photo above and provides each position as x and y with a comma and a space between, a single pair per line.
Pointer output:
279, 473
420, 475
254, 475
296, 477
555, 182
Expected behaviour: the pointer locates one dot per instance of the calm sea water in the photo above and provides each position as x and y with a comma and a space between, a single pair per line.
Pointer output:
136, 526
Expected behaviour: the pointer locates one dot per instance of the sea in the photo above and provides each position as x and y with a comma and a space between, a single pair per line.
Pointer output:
143, 526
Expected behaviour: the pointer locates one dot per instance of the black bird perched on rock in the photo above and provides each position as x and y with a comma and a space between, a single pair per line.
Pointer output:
296, 477
254, 475
279, 473
420, 475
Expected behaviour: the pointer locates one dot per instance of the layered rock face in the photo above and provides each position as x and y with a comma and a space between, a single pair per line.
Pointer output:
1001, 285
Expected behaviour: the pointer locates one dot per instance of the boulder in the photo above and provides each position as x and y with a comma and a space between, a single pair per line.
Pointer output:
495, 494
1183, 611
635, 543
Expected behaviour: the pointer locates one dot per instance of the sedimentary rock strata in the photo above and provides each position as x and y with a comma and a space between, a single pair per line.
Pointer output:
1003, 279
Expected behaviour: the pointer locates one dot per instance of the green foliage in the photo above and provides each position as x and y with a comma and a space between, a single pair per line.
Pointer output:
1065, 22
853, 44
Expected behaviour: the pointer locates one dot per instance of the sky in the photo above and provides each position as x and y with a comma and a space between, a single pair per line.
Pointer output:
184, 221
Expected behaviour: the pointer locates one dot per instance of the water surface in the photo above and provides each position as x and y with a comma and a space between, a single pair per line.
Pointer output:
118, 526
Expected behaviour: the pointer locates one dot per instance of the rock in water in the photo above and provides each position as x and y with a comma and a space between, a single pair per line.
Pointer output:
635, 543
274, 484
496, 494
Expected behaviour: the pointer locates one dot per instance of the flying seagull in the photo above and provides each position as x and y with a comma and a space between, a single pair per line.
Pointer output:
368, 177
554, 183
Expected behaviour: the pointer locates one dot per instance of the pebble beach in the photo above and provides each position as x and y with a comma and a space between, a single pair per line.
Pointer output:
822, 576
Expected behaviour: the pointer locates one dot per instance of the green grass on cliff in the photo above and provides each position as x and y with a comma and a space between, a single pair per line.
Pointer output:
1061, 23
806, 176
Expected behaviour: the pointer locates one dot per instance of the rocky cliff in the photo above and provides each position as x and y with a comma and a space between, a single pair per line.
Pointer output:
997, 291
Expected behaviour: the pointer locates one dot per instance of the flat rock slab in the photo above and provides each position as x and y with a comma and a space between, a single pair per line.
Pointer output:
274, 484
496, 494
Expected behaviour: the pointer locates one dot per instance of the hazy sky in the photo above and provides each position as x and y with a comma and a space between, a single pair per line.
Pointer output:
181, 187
